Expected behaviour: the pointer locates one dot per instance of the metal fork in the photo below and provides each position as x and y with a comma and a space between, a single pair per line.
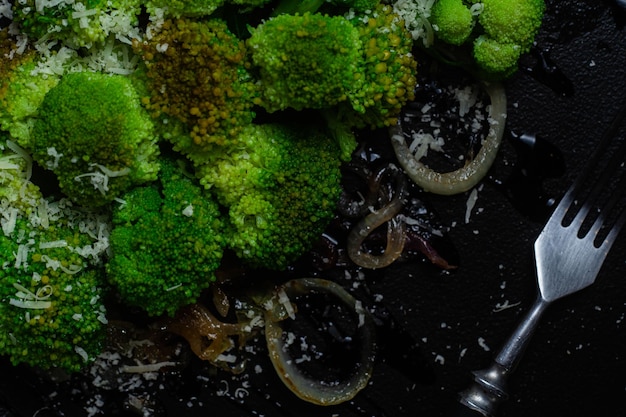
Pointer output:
569, 253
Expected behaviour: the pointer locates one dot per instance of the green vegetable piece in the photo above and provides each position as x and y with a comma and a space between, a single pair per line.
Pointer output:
453, 21
94, 135
509, 29
77, 24
512, 21
387, 69
52, 285
21, 93
167, 242
200, 79
495, 57
305, 61
280, 185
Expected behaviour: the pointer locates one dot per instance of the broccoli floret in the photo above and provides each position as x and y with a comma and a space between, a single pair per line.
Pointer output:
454, 21
495, 57
93, 133
508, 31
512, 21
196, 73
21, 92
280, 185
363, 64
388, 69
305, 61
52, 284
77, 23
17, 193
166, 243
487, 38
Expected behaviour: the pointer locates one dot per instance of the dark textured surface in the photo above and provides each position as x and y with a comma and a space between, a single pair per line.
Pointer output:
576, 363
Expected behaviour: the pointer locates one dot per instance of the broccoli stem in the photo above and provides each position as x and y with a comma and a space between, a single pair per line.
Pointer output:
341, 132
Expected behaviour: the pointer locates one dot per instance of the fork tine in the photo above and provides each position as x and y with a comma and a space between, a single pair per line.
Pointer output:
600, 184
605, 185
570, 200
617, 227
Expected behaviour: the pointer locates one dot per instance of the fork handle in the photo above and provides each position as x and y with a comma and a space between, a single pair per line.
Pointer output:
489, 388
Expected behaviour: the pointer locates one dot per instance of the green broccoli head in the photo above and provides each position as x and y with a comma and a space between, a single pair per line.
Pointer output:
512, 21
52, 312
280, 186
305, 61
387, 68
166, 243
21, 92
77, 23
495, 57
93, 133
18, 195
196, 73
509, 29
487, 37
454, 21
360, 65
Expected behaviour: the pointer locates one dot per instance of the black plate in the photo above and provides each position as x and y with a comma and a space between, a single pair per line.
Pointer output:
576, 363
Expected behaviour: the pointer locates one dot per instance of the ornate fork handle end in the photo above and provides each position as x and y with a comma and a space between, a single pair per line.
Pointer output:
489, 387
487, 391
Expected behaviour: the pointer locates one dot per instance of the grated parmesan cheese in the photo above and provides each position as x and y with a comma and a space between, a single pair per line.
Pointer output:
471, 202
188, 211
8, 221
482, 344
82, 353
5, 9
285, 302
53, 244
53, 164
146, 368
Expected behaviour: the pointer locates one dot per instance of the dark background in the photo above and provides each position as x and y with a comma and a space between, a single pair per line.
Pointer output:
576, 363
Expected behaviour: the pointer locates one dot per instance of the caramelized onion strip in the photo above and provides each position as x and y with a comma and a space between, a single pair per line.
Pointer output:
311, 389
463, 179
208, 337
396, 227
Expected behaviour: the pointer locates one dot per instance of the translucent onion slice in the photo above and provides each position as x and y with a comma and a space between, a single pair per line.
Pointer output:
464, 178
396, 228
286, 367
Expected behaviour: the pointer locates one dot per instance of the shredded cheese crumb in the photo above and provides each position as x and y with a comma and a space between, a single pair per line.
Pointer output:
471, 202
285, 302
82, 353
188, 211
145, 368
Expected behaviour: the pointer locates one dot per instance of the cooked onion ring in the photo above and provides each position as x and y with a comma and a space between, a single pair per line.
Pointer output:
208, 337
310, 389
396, 235
464, 178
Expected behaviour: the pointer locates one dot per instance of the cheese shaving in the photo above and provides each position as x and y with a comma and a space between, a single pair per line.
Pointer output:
30, 304
471, 202
145, 368
285, 302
